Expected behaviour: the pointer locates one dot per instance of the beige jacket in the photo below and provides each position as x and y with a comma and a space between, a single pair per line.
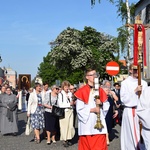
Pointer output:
32, 103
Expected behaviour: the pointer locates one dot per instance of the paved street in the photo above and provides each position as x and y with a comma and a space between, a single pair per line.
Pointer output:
23, 142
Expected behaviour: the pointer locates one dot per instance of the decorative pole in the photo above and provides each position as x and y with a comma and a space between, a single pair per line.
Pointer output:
97, 96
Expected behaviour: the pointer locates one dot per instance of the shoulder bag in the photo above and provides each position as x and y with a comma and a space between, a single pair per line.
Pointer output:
56, 110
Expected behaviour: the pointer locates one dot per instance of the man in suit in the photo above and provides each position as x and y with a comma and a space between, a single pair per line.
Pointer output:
119, 105
117, 91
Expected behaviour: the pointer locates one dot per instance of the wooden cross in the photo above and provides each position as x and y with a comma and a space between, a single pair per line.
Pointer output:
139, 41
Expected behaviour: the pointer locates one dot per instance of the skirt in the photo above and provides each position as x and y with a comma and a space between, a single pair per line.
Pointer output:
51, 122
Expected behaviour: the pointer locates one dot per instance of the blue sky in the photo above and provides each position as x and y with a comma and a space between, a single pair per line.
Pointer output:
27, 26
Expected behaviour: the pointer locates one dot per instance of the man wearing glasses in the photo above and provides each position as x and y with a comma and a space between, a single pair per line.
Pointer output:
87, 109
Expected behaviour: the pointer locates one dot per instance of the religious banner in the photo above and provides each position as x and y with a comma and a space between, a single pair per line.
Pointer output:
24, 81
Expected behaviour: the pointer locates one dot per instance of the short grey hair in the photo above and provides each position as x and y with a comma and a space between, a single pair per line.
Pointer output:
105, 87
54, 86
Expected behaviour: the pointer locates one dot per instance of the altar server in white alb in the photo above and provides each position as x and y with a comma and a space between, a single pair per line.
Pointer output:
143, 111
89, 137
130, 132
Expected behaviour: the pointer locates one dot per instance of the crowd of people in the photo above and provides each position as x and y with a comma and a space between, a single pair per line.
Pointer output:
115, 104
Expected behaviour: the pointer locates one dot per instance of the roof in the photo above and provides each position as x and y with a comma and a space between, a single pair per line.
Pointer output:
10, 71
139, 2
123, 62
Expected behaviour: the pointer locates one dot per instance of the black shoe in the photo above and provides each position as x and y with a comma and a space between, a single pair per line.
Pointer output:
14, 134
48, 142
65, 144
69, 143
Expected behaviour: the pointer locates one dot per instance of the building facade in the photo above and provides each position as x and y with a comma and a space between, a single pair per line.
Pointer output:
2, 76
11, 77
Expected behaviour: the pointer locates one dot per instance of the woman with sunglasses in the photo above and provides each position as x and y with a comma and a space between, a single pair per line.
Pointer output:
51, 121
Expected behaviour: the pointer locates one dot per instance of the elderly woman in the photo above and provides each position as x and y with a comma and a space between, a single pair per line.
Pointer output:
112, 112
51, 121
36, 111
9, 113
67, 130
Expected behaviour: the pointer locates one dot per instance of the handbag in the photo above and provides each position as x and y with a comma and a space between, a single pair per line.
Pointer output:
28, 129
56, 110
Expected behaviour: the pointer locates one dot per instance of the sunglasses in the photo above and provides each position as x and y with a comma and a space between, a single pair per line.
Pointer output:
57, 88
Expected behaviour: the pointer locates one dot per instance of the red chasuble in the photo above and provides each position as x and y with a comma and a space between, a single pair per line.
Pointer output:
83, 94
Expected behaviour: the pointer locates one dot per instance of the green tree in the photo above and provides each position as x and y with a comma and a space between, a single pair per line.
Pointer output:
103, 48
47, 72
126, 12
69, 50
73, 51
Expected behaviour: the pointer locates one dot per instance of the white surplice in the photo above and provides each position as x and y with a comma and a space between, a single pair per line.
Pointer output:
143, 111
87, 120
130, 132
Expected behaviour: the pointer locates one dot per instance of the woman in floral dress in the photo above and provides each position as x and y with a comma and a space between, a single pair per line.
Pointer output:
36, 111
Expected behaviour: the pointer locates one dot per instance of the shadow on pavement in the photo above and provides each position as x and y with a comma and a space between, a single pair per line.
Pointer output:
113, 135
21, 127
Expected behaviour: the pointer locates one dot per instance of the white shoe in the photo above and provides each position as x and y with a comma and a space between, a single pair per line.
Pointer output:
54, 142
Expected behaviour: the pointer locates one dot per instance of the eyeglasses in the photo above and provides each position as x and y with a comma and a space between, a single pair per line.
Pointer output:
57, 88
92, 74
72, 89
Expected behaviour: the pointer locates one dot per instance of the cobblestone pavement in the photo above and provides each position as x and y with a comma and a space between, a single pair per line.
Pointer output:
23, 142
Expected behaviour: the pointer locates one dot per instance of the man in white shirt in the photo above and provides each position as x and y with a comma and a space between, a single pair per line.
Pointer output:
143, 111
90, 138
130, 132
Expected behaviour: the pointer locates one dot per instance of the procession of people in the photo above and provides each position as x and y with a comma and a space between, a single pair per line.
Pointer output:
41, 98
96, 109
